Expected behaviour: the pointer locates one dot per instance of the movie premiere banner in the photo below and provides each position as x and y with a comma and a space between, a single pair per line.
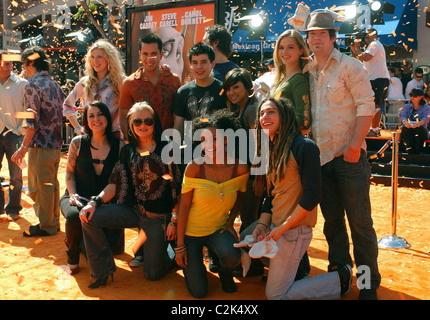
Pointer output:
179, 25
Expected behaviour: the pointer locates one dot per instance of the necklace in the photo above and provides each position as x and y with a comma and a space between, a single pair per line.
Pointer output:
221, 193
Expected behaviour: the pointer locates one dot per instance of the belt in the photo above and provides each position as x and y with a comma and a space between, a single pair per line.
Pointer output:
145, 212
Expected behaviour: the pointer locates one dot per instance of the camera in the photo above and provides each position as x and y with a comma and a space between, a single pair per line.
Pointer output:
356, 37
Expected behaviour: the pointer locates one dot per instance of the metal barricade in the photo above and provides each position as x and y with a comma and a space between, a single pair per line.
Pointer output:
393, 241
390, 116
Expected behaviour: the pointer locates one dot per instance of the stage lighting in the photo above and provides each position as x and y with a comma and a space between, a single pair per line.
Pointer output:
375, 6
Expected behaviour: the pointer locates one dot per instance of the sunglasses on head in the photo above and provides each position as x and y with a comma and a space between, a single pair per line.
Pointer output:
147, 121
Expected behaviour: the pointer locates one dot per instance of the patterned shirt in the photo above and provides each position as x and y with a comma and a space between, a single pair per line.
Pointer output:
143, 180
136, 88
340, 93
44, 98
103, 93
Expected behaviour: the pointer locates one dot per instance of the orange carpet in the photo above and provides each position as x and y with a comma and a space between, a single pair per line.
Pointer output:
33, 268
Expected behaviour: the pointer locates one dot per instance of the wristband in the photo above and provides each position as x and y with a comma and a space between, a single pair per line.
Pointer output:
98, 201
261, 224
355, 151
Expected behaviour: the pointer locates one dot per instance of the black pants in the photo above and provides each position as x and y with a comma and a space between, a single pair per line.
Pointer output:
74, 237
414, 138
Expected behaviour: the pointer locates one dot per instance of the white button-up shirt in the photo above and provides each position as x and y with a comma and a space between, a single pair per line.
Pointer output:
11, 101
340, 93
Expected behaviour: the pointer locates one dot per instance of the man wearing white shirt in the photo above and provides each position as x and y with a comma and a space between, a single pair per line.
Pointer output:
395, 89
11, 101
374, 59
416, 83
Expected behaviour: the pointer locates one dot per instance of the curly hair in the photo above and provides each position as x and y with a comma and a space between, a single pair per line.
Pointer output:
116, 69
279, 65
220, 119
222, 35
40, 60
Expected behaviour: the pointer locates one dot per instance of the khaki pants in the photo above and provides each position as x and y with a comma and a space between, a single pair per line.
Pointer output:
43, 186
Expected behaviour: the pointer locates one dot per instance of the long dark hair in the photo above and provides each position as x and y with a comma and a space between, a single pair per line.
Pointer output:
280, 146
106, 113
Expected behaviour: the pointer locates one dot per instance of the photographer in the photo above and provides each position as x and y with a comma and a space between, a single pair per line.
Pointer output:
375, 62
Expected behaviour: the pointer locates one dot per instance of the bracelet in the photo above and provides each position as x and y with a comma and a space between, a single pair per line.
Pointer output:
172, 223
261, 224
180, 248
24, 147
355, 151
98, 201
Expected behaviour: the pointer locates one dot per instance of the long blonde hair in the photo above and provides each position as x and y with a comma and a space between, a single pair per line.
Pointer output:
280, 69
116, 69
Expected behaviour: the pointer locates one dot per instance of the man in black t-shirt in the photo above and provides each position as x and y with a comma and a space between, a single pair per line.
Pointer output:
202, 96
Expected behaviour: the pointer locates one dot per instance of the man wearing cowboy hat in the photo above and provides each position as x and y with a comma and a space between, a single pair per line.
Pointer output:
342, 102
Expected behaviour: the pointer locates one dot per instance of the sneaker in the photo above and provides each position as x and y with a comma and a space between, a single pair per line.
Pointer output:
368, 294
136, 262
345, 275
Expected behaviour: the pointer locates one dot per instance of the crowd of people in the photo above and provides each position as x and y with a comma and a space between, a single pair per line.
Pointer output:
316, 114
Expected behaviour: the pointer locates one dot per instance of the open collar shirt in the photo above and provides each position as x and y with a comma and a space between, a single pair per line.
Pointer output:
340, 93
11, 101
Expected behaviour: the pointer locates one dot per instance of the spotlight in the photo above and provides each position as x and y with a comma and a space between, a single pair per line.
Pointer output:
375, 6
256, 21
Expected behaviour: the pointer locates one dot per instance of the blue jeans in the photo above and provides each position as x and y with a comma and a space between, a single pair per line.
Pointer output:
8, 146
158, 256
283, 268
221, 244
346, 190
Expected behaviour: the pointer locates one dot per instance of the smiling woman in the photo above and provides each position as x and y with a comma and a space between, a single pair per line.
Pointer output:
145, 199
211, 197
103, 78
90, 161
291, 56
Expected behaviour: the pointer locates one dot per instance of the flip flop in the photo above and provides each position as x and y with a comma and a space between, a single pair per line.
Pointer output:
248, 241
264, 249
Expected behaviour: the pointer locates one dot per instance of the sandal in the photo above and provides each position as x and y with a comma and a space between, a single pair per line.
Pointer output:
35, 231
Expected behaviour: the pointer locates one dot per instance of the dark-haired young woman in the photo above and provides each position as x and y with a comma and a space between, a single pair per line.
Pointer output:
211, 197
289, 212
90, 161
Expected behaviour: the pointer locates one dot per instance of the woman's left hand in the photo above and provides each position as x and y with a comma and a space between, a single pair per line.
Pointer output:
171, 232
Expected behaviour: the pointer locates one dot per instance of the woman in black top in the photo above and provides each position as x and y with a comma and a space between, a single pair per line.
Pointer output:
90, 161
147, 191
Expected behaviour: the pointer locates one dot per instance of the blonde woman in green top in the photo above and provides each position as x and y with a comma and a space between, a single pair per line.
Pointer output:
291, 56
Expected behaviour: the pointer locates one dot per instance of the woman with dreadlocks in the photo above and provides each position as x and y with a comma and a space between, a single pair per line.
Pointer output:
293, 184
